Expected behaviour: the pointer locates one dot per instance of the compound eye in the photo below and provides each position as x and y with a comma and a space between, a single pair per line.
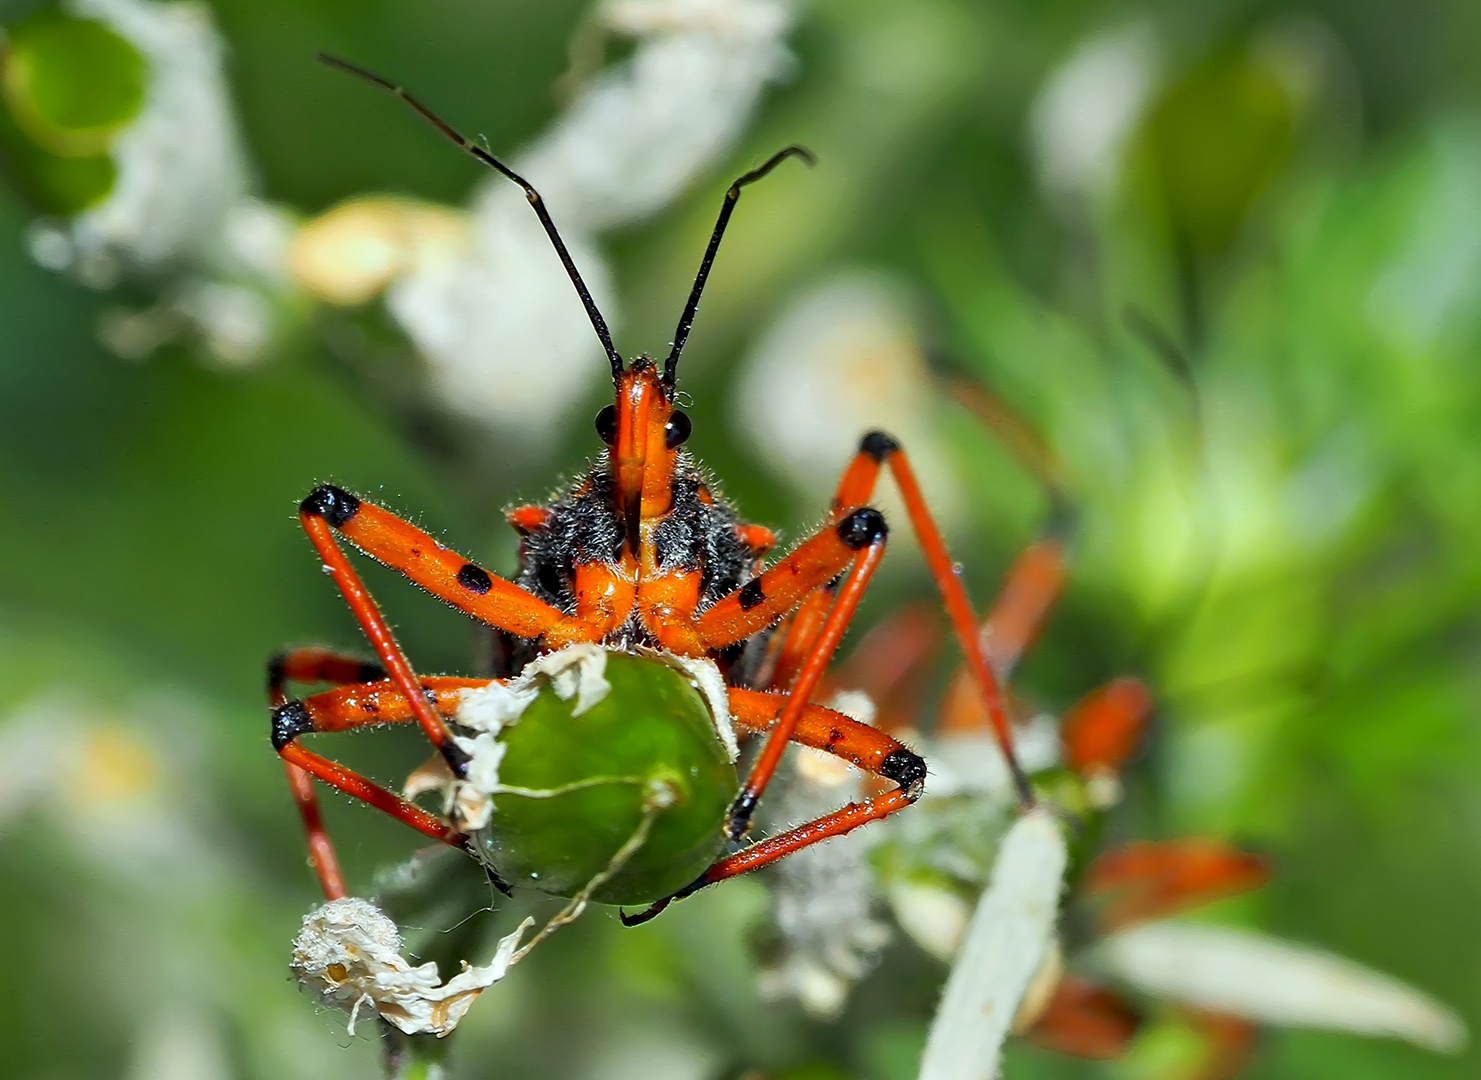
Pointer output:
676, 431
607, 425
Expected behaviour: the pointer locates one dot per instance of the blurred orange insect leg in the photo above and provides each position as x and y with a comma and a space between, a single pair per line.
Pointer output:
1102, 730
891, 663
1030, 588
802, 633
1086, 1021
1153, 879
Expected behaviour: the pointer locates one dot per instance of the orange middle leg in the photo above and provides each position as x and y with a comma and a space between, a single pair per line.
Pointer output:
358, 679
358, 703
781, 588
822, 729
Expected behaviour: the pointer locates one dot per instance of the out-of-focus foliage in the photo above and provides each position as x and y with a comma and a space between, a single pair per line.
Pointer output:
1221, 262
70, 85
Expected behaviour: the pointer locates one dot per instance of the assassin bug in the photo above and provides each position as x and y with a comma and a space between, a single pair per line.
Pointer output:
639, 554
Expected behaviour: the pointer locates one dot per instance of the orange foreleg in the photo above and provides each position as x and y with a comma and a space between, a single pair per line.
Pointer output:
781, 588
444, 573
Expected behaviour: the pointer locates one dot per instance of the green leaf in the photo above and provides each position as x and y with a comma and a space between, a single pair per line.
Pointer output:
1213, 144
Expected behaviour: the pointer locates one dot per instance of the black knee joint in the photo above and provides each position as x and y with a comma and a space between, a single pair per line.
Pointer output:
289, 722
277, 671
334, 505
878, 445
862, 528
906, 768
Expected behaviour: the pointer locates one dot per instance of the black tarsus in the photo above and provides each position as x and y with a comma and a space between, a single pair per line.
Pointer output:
906, 768
598, 323
335, 505
289, 721
691, 307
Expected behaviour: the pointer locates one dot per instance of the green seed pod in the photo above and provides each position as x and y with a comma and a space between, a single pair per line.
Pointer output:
574, 785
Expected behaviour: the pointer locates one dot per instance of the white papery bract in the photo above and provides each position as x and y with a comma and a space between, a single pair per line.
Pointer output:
1258, 978
500, 325
1008, 940
350, 952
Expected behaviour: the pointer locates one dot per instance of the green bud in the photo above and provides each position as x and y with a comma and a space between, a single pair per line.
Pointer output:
574, 789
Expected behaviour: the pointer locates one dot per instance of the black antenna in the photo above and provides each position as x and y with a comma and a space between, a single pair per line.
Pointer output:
598, 323
686, 320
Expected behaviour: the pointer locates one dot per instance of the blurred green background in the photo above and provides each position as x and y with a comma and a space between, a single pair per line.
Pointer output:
1252, 345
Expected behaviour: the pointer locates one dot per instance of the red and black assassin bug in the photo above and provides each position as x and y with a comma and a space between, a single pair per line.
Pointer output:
637, 553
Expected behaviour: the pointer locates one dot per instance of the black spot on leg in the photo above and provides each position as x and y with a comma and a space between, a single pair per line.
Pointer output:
277, 668
750, 594
834, 737
334, 505
862, 528
905, 767
878, 445
289, 722
371, 673
475, 579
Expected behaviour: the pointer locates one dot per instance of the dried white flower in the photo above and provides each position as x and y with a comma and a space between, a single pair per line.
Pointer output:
1249, 975
824, 896
1010, 936
350, 952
